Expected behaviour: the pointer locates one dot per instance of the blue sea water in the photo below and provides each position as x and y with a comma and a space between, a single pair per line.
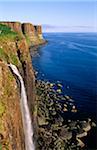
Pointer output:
71, 58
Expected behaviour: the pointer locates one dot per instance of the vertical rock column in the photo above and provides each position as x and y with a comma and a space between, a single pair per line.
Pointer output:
38, 29
29, 31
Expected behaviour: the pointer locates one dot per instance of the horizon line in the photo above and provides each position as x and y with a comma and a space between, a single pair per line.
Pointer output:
68, 32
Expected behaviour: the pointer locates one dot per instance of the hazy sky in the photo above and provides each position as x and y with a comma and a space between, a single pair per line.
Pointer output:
62, 15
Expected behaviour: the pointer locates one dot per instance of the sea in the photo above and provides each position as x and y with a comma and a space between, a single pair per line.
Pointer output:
71, 59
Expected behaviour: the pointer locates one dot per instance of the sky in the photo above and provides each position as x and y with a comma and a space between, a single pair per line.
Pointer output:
54, 16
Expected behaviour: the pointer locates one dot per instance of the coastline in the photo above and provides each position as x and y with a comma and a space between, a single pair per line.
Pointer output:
14, 49
49, 99
46, 103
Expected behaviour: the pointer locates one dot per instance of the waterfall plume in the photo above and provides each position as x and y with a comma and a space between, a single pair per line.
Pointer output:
27, 125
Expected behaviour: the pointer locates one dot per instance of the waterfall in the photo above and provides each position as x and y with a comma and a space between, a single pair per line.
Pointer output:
28, 130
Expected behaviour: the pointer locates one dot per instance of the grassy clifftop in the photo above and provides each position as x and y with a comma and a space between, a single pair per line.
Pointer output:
5, 30
13, 47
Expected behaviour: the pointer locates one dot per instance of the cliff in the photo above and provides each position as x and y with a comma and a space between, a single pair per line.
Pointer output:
15, 39
33, 34
11, 132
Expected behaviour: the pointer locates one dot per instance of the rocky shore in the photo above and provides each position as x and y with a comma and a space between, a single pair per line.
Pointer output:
55, 132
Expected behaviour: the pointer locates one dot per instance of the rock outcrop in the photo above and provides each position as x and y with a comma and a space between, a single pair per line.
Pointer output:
38, 29
29, 31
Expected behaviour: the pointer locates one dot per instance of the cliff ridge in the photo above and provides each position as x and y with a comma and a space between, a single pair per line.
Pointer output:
32, 33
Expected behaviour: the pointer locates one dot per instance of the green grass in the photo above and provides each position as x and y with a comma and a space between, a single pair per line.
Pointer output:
10, 57
27, 39
7, 36
14, 59
7, 33
0, 147
5, 30
3, 55
2, 108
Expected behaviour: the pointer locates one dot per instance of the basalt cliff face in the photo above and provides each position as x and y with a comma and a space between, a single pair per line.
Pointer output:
15, 39
32, 33
11, 132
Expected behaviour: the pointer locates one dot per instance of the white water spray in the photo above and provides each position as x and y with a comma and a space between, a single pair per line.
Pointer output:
28, 130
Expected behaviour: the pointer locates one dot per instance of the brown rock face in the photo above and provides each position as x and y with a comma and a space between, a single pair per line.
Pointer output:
38, 29
15, 50
11, 129
27, 71
29, 31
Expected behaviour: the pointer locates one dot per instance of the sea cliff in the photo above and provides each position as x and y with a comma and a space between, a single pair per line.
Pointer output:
15, 40
52, 130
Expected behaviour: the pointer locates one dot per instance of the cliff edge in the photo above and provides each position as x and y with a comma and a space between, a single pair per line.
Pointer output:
15, 39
